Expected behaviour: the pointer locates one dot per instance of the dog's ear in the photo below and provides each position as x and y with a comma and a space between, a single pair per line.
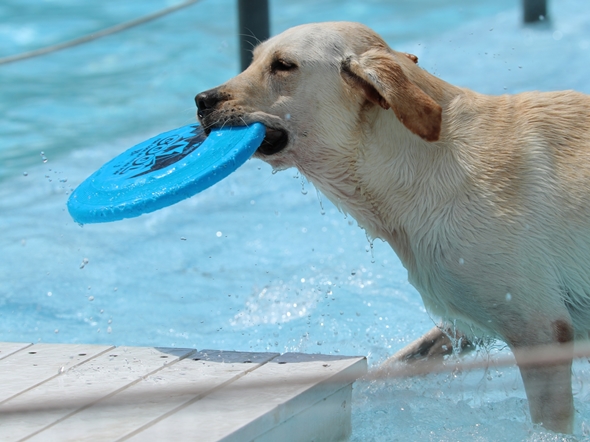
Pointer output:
383, 82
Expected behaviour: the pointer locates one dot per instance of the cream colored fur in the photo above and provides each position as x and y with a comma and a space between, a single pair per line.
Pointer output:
485, 199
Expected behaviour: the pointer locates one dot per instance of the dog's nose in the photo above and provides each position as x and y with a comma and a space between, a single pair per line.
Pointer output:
207, 101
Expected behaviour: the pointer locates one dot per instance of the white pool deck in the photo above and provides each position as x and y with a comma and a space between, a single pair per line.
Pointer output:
71, 392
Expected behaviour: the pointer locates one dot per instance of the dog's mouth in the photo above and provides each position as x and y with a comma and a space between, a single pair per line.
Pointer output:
274, 141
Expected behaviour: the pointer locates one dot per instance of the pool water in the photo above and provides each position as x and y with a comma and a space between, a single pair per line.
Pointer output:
260, 261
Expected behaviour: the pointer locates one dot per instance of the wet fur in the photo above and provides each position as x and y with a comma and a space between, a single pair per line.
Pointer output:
485, 199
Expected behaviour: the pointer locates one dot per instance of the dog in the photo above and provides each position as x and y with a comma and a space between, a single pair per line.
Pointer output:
485, 199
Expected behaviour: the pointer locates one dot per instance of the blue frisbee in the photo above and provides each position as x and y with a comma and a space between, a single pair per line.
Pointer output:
163, 171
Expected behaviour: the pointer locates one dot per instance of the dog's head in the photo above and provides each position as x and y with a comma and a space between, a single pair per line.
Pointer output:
315, 87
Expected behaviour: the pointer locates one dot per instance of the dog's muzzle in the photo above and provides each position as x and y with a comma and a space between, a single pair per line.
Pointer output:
207, 102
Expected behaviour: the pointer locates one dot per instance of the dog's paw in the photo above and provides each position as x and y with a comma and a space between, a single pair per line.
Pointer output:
425, 353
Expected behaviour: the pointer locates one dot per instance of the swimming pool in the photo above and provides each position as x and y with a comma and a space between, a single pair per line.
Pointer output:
260, 261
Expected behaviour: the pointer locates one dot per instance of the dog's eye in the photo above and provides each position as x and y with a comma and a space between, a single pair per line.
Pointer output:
280, 65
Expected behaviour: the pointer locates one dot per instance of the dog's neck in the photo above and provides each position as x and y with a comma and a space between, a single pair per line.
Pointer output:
392, 177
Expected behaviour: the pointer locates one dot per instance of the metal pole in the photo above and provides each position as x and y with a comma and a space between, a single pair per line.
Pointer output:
534, 10
253, 27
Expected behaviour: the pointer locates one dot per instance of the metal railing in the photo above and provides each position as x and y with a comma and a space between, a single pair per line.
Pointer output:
253, 27
534, 10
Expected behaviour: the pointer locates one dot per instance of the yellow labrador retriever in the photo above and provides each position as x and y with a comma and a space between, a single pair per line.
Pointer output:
485, 199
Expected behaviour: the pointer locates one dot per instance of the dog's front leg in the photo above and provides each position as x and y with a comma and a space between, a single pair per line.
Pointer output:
546, 369
549, 392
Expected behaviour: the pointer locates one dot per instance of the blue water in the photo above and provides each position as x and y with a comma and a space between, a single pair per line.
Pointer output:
259, 261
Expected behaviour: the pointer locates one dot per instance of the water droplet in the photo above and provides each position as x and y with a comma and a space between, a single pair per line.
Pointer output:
84, 263
508, 297
541, 17
43, 157
91, 298
287, 117
218, 234
353, 272
49, 294
461, 261
25, 173
56, 331
370, 247
61, 370
322, 210
303, 190
109, 329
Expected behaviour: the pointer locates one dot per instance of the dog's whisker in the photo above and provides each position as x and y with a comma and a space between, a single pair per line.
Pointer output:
251, 38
